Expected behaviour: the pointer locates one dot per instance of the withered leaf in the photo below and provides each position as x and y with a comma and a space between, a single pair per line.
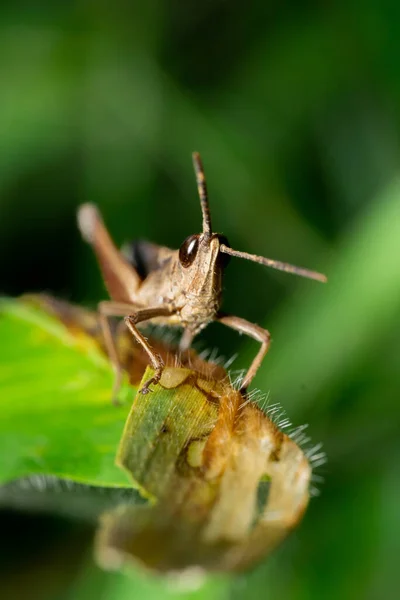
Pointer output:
226, 486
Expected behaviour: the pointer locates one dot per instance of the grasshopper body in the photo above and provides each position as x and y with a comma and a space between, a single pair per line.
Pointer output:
171, 287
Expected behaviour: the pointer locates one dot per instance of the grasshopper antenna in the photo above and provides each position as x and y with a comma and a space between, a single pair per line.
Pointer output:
275, 264
202, 189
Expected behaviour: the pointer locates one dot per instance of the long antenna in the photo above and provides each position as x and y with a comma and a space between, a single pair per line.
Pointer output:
275, 264
202, 189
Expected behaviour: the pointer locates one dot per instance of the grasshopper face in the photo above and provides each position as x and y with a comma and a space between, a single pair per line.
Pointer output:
202, 265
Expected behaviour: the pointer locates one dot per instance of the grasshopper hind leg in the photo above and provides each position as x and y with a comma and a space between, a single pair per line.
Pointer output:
106, 310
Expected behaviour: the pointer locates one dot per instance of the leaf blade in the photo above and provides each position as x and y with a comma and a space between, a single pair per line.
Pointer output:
56, 411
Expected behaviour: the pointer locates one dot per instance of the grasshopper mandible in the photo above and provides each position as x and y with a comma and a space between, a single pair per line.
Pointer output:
172, 287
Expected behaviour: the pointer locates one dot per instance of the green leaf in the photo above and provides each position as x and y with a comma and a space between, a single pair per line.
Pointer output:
191, 445
56, 415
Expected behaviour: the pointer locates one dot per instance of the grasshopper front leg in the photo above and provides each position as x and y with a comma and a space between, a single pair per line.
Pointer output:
156, 361
257, 333
132, 316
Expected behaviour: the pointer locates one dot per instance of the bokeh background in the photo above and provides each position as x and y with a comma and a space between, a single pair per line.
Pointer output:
295, 107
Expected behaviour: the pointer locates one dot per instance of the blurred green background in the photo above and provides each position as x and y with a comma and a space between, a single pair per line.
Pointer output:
295, 107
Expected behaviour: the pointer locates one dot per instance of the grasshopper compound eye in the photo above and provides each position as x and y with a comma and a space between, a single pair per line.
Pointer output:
188, 250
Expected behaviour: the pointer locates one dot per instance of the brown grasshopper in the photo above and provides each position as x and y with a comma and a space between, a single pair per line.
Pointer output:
172, 287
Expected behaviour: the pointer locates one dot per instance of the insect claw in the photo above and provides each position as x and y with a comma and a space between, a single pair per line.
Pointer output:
243, 391
146, 387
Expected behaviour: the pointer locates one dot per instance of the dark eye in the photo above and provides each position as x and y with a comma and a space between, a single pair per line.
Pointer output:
188, 250
223, 259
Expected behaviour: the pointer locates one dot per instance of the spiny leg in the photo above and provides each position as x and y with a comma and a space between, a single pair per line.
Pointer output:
257, 333
156, 361
108, 309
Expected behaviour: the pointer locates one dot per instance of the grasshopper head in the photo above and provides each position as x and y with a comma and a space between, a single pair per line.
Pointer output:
202, 265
